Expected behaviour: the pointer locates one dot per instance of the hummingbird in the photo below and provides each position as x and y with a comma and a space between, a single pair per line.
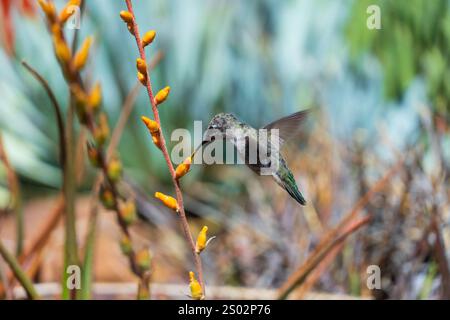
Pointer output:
243, 136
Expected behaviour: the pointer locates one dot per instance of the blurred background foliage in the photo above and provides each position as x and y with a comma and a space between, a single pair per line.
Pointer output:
414, 42
375, 94
258, 59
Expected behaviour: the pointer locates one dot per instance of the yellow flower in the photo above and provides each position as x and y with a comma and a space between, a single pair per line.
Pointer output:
128, 211
101, 132
62, 50
141, 65
130, 28
168, 201
68, 10
49, 9
80, 99
107, 198
114, 169
162, 95
201, 240
143, 259
93, 155
142, 77
151, 125
125, 245
95, 97
183, 168
126, 16
157, 140
196, 288
80, 58
148, 38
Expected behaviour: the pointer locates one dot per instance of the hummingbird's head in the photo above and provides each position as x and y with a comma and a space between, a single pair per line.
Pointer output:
218, 125
222, 121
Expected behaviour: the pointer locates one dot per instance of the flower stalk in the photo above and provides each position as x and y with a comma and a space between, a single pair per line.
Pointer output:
87, 105
158, 138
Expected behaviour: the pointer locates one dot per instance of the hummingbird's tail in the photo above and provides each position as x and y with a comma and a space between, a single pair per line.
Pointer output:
289, 184
293, 191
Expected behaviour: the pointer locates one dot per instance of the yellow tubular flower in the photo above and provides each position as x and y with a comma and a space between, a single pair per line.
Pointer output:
142, 78
93, 155
49, 9
107, 198
114, 169
126, 16
62, 50
201, 240
128, 211
162, 95
80, 58
168, 201
157, 140
183, 168
141, 65
95, 97
196, 288
143, 259
130, 28
125, 245
68, 10
148, 38
151, 125
101, 132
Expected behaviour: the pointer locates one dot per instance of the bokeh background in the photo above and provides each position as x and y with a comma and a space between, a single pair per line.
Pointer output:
380, 101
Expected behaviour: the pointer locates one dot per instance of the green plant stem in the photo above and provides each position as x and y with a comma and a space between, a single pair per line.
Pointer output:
86, 278
18, 272
70, 248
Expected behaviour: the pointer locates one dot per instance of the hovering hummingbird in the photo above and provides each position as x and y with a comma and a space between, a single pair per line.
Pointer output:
243, 136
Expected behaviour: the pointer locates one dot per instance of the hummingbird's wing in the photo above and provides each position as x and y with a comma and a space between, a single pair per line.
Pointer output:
288, 126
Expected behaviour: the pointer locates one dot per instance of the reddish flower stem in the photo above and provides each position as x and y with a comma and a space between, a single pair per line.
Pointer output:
179, 195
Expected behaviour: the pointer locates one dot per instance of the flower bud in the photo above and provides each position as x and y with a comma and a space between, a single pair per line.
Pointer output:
62, 50
126, 16
80, 101
106, 197
201, 240
49, 9
130, 28
168, 201
93, 155
114, 169
162, 95
157, 140
141, 65
95, 97
151, 125
142, 77
80, 58
68, 10
196, 288
128, 211
183, 168
125, 245
148, 38
143, 259
101, 132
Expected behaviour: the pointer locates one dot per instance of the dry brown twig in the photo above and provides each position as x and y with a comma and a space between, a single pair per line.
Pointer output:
331, 240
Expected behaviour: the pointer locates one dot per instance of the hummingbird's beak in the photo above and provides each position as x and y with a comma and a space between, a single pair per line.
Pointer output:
201, 145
